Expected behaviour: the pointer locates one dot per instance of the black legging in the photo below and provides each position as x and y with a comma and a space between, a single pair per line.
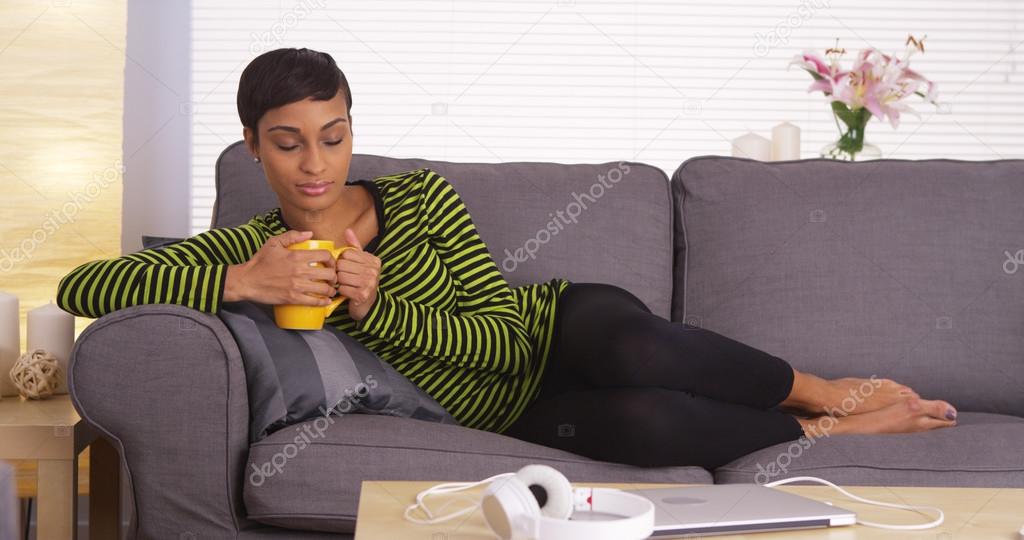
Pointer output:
628, 386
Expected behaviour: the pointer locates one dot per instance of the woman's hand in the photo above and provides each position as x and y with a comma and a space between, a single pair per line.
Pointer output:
278, 275
357, 274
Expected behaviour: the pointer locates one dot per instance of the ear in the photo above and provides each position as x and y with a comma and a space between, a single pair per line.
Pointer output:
250, 141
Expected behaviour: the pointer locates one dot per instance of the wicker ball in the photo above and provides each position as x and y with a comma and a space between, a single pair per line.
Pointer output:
36, 374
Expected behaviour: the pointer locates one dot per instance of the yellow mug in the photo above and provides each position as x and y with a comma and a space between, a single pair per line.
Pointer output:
298, 316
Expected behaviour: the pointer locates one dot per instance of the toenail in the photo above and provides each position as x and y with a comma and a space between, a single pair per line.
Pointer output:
950, 414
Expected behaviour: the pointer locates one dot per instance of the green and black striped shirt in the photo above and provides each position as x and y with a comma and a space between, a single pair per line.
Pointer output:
444, 316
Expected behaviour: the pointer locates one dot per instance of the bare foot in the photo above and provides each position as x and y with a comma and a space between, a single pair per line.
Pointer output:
906, 416
858, 396
843, 397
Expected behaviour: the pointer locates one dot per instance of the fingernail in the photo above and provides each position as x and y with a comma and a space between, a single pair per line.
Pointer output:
950, 414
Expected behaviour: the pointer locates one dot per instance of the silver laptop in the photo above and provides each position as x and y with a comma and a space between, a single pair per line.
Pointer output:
737, 508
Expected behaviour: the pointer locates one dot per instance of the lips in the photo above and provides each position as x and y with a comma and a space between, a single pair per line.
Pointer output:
314, 189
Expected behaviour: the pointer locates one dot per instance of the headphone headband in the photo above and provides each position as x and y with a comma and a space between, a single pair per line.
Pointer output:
537, 502
514, 511
637, 519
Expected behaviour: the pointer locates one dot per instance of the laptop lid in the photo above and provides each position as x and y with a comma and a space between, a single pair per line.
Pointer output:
737, 508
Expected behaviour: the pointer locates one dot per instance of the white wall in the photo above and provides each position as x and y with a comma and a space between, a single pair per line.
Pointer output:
157, 118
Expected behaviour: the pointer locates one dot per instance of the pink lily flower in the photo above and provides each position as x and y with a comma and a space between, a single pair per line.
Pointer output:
878, 82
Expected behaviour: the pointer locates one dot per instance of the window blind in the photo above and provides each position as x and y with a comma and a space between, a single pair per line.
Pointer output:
592, 81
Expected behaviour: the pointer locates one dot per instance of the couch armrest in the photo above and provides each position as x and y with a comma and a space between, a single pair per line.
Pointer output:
166, 383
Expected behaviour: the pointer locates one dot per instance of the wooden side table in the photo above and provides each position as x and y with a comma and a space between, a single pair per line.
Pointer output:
51, 433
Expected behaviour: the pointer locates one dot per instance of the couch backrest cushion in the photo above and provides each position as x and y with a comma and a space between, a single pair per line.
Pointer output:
891, 268
604, 223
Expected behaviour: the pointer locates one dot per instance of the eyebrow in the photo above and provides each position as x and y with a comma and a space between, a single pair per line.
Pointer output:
297, 130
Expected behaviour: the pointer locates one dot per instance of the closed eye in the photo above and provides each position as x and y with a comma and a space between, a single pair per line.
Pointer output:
293, 147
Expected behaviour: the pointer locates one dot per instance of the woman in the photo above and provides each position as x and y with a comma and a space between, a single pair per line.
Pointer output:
584, 367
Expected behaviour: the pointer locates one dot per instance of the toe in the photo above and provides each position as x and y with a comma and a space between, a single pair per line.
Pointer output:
940, 410
927, 423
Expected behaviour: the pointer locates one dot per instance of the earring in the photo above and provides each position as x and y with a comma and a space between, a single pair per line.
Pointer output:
256, 159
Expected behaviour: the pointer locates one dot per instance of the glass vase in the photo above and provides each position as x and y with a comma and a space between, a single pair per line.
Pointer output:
850, 146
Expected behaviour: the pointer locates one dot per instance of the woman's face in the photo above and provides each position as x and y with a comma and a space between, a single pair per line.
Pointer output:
305, 148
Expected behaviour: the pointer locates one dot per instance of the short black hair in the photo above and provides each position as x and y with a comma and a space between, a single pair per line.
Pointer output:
282, 76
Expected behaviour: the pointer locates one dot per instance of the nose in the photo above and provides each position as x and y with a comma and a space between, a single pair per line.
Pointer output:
312, 162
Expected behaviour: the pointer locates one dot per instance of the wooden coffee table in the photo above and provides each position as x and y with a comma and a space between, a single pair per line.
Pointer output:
51, 433
970, 512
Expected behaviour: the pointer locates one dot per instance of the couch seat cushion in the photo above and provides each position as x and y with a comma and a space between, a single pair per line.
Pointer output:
308, 476
982, 450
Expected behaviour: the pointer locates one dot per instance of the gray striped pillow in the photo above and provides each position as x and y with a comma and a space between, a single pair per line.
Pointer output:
296, 375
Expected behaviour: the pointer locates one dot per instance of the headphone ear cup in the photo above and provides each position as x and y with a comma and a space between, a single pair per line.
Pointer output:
551, 489
509, 508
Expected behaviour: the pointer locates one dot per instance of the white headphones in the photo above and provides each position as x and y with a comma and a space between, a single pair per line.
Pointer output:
536, 502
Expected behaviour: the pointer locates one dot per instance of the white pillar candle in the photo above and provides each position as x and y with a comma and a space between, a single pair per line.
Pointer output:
53, 329
10, 341
752, 146
785, 142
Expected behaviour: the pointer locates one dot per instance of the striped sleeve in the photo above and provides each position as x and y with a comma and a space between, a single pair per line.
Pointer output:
487, 332
189, 273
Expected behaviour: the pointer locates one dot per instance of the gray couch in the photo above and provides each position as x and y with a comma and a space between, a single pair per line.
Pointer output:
890, 269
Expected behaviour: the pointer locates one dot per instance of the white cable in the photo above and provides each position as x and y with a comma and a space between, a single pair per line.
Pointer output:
449, 487
918, 509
